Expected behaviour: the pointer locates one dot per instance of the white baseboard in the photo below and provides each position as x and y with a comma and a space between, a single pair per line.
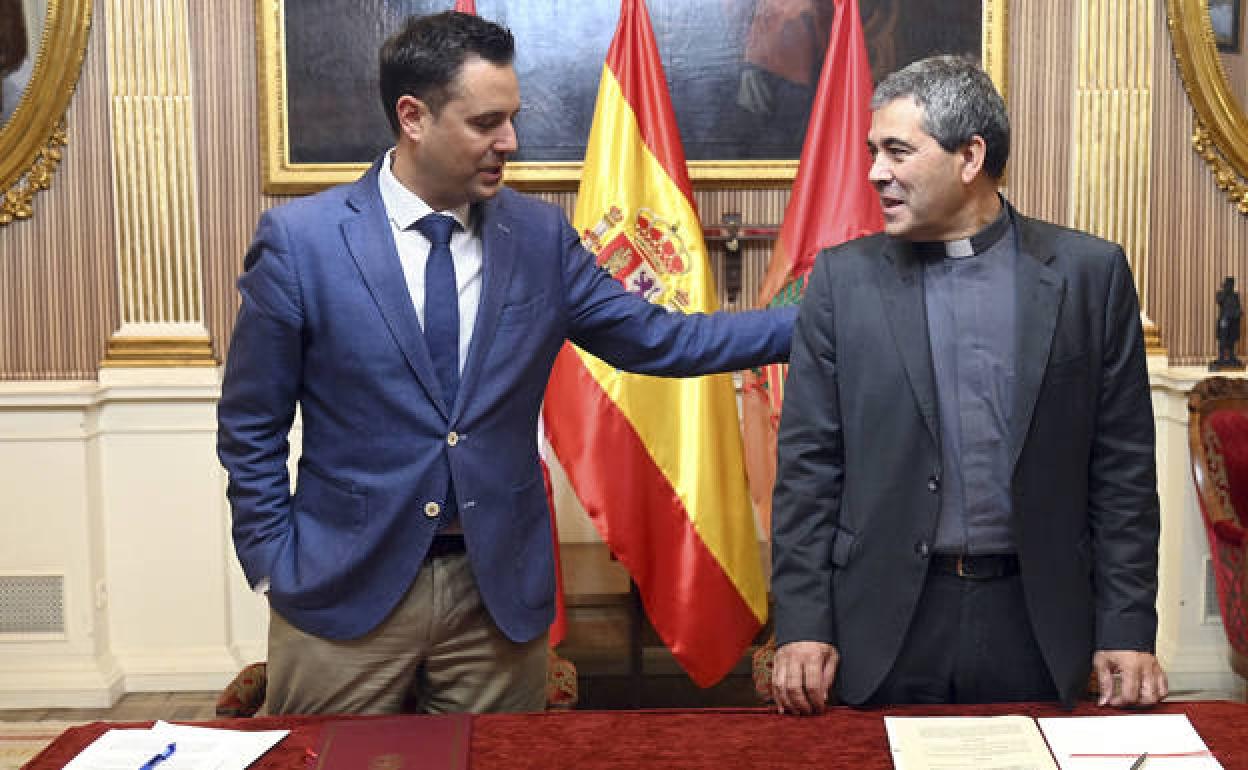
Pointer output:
249, 652
56, 684
188, 670
1200, 668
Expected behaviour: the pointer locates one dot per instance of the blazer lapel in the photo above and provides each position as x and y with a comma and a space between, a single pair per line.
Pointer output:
901, 287
498, 257
368, 239
1039, 291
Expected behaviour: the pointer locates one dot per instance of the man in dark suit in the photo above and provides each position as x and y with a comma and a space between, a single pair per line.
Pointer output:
965, 508
413, 317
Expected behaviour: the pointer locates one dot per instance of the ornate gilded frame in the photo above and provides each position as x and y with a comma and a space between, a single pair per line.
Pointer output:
1220, 133
31, 141
281, 176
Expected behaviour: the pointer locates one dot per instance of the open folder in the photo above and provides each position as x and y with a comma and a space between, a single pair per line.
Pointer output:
1073, 743
1100, 743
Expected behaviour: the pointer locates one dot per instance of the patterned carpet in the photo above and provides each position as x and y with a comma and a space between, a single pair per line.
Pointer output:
19, 741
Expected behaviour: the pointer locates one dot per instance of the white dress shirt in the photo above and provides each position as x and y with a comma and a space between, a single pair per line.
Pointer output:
403, 209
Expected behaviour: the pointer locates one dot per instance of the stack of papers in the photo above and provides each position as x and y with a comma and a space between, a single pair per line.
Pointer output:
1167, 741
957, 743
195, 748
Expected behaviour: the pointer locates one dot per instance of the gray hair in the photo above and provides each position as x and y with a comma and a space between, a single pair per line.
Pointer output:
958, 100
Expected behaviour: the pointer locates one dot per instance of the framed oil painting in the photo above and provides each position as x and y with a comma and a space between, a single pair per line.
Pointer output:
742, 74
42, 45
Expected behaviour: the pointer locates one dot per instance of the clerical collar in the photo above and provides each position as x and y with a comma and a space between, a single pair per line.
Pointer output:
978, 243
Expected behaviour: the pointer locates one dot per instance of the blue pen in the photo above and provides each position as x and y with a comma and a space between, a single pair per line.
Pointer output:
161, 757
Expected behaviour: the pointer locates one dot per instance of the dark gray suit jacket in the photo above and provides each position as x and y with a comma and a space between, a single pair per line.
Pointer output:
858, 487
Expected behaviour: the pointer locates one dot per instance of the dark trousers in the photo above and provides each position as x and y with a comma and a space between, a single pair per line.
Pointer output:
970, 642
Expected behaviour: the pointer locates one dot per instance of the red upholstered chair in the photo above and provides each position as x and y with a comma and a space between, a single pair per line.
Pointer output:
1218, 436
244, 695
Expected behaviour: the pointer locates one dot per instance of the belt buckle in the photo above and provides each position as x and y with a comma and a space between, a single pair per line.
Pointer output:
960, 568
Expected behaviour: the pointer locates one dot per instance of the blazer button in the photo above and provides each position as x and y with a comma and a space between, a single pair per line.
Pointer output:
432, 509
933, 484
452, 438
922, 548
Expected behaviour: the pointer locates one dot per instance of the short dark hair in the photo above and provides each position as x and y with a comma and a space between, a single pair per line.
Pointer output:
425, 56
958, 100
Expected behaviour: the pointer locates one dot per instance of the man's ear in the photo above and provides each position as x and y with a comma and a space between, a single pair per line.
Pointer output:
412, 114
971, 156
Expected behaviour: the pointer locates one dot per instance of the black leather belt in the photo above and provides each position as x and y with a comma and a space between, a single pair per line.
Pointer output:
975, 567
445, 545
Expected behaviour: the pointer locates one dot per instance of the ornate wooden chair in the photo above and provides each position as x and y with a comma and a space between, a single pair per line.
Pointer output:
1218, 436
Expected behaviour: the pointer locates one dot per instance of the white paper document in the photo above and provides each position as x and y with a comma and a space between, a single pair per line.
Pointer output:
1114, 742
196, 748
958, 743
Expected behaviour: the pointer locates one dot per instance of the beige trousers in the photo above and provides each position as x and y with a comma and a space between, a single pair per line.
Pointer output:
438, 651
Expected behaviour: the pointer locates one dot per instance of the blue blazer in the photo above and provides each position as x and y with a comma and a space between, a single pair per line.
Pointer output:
326, 323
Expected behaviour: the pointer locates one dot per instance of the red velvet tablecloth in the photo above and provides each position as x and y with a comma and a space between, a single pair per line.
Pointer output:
709, 738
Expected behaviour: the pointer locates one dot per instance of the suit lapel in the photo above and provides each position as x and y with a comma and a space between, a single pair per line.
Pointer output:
1038, 291
901, 287
368, 239
498, 256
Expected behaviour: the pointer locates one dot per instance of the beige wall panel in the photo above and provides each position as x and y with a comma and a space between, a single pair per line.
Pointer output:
1041, 80
1197, 236
58, 291
223, 62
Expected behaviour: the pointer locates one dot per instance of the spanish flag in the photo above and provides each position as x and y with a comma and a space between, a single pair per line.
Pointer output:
832, 202
657, 462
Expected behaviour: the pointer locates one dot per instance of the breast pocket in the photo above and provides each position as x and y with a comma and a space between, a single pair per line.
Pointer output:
521, 313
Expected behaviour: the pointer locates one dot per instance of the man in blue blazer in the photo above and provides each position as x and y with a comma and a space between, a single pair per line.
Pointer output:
413, 563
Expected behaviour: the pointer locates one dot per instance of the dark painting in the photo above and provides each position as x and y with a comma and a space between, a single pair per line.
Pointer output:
741, 73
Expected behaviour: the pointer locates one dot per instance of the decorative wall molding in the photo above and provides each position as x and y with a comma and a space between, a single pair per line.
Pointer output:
155, 188
1111, 131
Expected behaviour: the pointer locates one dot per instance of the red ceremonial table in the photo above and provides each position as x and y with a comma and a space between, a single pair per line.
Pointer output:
705, 738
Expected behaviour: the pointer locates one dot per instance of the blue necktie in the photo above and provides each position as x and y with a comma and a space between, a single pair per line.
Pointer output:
441, 303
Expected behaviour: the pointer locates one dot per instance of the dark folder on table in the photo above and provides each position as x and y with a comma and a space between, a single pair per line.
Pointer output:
433, 742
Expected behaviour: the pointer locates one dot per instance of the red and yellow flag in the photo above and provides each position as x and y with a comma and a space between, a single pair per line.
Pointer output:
832, 202
466, 6
657, 462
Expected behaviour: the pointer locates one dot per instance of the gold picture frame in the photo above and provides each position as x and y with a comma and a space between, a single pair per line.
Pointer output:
1220, 130
31, 140
284, 176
